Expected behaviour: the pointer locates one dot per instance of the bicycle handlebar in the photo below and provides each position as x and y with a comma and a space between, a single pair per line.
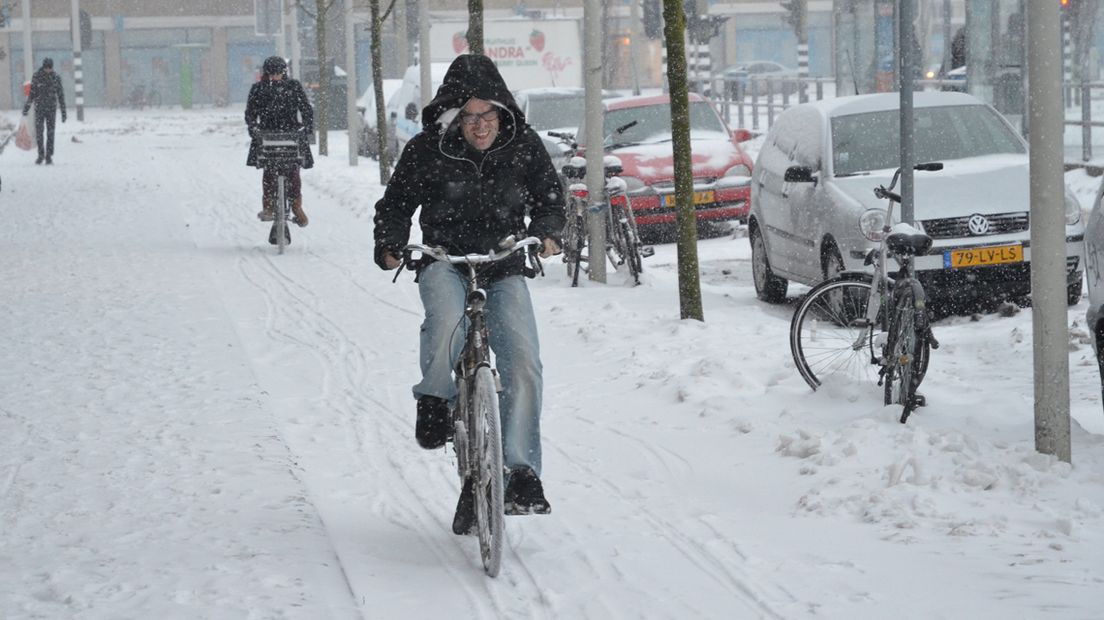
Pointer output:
439, 253
887, 192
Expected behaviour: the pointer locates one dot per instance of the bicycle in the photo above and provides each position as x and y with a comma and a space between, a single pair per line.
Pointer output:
141, 97
477, 436
622, 234
858, 320
279, 152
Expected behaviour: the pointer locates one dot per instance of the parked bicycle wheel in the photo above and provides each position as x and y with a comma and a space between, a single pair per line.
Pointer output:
486, 441
625, 248
907, 350
574, 241
830, 337
634, 253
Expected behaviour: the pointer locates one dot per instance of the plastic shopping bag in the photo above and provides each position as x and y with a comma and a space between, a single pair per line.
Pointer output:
24, 134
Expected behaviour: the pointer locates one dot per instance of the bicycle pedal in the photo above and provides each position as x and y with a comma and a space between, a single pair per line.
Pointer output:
647, 251
920, 400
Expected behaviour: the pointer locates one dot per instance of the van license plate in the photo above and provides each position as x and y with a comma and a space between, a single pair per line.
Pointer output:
983, 257
700, 198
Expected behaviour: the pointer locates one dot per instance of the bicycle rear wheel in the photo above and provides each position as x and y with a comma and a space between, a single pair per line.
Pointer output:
830, 338
486, 444
631, 241
907, 349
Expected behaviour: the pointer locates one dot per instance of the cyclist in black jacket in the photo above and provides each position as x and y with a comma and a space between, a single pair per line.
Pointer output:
478, 171
277, 103
47, 95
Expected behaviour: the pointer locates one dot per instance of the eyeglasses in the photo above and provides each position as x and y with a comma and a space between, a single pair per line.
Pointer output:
472, 120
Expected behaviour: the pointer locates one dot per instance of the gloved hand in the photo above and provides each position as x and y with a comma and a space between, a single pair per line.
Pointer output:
63, 117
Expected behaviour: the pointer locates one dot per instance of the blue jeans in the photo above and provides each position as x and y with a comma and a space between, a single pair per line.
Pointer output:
513, 329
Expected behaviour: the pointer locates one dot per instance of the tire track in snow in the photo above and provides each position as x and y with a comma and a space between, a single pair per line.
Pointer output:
345, 390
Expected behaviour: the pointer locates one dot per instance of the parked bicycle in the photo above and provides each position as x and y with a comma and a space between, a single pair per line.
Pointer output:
140, 97
477, 435
279, 152
623, 245
848, 325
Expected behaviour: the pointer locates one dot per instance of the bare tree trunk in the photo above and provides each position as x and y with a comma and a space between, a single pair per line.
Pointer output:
384, 134
475, 26
674, 31
322, 109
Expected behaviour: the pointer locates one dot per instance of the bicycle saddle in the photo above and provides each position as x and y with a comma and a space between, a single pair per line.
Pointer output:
907, 240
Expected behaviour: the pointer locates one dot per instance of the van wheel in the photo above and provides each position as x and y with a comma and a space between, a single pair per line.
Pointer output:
768, 287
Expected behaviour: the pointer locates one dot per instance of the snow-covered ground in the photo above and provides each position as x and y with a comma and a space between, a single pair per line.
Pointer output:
194, 427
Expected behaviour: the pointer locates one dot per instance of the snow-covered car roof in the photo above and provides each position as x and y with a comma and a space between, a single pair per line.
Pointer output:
880, 102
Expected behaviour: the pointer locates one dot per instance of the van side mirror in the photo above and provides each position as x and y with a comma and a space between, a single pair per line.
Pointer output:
741, 134
799, 174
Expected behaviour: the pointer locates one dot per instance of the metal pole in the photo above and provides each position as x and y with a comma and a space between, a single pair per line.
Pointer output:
28, 51
595, 172
401, 37
296, 47
802, 54
906, 15
636, 35
78, 71
424, 58
1050, 332
947, 36
351, 90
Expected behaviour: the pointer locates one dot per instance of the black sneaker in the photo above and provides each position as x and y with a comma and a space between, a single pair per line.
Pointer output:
525, 495
49, 162
432, 427
39, 160
463, 524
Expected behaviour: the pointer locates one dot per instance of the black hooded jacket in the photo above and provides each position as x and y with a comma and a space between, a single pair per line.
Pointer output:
46, 93
277, 105
471, 199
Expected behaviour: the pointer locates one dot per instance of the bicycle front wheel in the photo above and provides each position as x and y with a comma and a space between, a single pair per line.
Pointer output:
574, 241
830, 336
487, 469
631, 240
907, 349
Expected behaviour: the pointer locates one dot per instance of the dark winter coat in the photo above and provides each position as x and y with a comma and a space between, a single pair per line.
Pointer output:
46, 93
277, 105
470, 199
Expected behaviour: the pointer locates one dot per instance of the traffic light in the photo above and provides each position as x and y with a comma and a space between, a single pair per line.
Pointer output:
795, 13
653, 19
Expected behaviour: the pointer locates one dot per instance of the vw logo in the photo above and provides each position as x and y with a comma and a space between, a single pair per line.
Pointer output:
978, 224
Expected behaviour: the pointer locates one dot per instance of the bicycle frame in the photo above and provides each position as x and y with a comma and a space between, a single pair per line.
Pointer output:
476, 425
279, 152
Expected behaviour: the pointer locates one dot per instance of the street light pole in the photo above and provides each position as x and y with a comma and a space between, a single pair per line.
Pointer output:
1050, 332
352, 118
78, 71
907, 15
28, 45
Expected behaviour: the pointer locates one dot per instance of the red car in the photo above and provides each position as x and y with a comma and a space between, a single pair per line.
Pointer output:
722, 170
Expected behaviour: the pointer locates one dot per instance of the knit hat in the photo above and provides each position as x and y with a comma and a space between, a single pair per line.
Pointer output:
47, 63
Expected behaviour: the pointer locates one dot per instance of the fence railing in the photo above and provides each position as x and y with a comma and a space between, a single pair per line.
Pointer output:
750, 101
